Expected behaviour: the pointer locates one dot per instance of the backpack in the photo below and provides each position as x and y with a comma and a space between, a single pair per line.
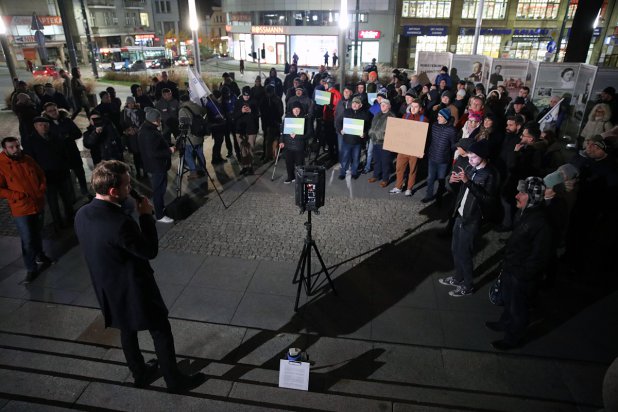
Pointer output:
199, 124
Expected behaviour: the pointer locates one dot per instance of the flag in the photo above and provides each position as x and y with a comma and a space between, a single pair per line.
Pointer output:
551, 116
197, 88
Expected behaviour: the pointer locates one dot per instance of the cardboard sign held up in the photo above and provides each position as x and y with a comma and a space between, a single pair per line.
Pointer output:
405, 136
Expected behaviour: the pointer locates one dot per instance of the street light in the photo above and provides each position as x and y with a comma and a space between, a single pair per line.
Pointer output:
343, 28
6, 49
193, 25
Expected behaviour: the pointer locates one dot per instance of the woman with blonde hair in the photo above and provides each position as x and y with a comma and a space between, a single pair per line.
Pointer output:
598, 121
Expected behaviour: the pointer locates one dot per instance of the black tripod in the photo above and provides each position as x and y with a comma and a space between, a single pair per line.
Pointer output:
181, 145
303, 277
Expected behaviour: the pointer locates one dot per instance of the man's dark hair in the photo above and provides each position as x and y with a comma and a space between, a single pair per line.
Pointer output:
48, 104
8, 139
533, 130
108, 174
103, 93
516, 118
166, 90
526, 88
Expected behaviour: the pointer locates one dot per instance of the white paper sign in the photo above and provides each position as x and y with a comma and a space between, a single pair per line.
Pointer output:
294, 375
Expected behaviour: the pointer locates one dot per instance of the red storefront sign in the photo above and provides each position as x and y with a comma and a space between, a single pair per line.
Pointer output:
369, 34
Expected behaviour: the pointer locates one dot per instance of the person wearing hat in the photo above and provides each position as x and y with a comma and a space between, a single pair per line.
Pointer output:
477, 195
344, 103
53, 96
518, 107
526, 255
361, 92
373, 84
48, 148
26, 111
274, 81
351, 147
194, 147
608, 96
300, 96
103, 139
446, 102
288, 82
294, 144
306, 84
141, 99
384, 159
166, 83
271, 111
246, 118
440, 153
22, 184
472, 126
329, 131
230, 83
443, 75
292, 90
156, 154
374, 109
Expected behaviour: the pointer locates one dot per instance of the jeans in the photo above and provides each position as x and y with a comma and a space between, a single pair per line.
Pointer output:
350, 155
60, 188
462, 247
436, 171
369, 156
383, 164
340, 147
158, 181
191, 153
29, 228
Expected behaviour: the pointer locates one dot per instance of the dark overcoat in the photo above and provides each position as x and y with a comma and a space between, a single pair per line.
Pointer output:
117, 251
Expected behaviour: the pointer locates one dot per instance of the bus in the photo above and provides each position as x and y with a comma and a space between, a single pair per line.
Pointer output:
125, 58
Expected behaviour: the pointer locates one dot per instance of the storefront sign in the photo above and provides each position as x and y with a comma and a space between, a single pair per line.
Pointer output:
530, 32
267, 30
425, 30
369, 34
27, 20
23, 39
144, 36
469, 31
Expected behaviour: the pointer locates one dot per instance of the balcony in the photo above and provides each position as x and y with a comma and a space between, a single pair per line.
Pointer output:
102, 4
134, 4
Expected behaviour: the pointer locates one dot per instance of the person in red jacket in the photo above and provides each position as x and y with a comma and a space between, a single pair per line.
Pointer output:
22, 183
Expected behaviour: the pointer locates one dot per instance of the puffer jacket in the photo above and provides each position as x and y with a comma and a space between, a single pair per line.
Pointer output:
22, 183
527, 251
597, 126
442, 146
378, 127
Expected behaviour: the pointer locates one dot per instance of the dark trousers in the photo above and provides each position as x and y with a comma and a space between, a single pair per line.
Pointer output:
330, 139
383, 165
294, 158
217, 137
515, 316
29, 228
60, 188
271, 135
137, 161
231, 142
81, 178
164, 347
158, 182
462, 247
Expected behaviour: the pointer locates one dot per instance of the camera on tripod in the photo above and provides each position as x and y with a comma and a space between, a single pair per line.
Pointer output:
310, 187
184, 124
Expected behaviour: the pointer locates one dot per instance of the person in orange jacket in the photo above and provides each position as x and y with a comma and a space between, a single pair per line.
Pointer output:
22, 183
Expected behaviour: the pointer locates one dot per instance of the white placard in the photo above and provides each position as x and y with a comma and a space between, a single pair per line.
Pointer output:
294, 375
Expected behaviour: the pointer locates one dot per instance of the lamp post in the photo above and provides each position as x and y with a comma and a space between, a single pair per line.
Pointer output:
6, 49
343, 28
193, 25
477, 29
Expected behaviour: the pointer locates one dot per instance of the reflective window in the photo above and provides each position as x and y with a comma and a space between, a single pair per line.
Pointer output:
436, 9
431, 43
538, 9
488, 45
491, 9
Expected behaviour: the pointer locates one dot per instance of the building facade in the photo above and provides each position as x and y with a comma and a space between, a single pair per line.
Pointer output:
522, 29
309, 29
214, 28
166, 16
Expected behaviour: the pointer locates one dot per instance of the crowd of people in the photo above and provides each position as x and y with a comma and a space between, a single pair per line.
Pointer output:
502, 165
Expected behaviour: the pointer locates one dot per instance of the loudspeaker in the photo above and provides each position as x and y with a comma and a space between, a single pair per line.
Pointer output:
310, 187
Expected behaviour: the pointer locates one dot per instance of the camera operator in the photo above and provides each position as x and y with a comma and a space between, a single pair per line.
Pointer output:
246, 119
217, 125
168, 107
102, 138
157, 158
194, 145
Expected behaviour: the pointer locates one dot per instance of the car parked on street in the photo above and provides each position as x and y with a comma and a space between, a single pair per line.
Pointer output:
47, 70
161, 63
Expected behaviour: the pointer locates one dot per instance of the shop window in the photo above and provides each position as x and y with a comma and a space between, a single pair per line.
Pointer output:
531, 49
488, 45
431, 43
143, 17
436, 9
491, 9
93, 19
538, 9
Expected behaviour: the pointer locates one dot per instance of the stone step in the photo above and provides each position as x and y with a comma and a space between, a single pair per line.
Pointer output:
95, 375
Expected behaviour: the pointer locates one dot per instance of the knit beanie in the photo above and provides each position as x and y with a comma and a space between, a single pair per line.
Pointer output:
152, 114
535, 188
446, 113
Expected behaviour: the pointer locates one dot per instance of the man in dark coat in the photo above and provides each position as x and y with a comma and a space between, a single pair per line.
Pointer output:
103, 140
351, 147
157, 159
525, 257
117, 251
274, 81
166, 83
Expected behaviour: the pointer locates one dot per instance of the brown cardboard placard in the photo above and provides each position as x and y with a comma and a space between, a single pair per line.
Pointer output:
405, 136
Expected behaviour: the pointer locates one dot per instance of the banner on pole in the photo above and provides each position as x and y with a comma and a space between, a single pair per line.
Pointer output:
197, 87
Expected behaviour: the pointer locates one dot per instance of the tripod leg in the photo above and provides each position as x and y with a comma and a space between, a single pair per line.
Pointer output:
179, 173
300, 261
300, 274
330, 281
